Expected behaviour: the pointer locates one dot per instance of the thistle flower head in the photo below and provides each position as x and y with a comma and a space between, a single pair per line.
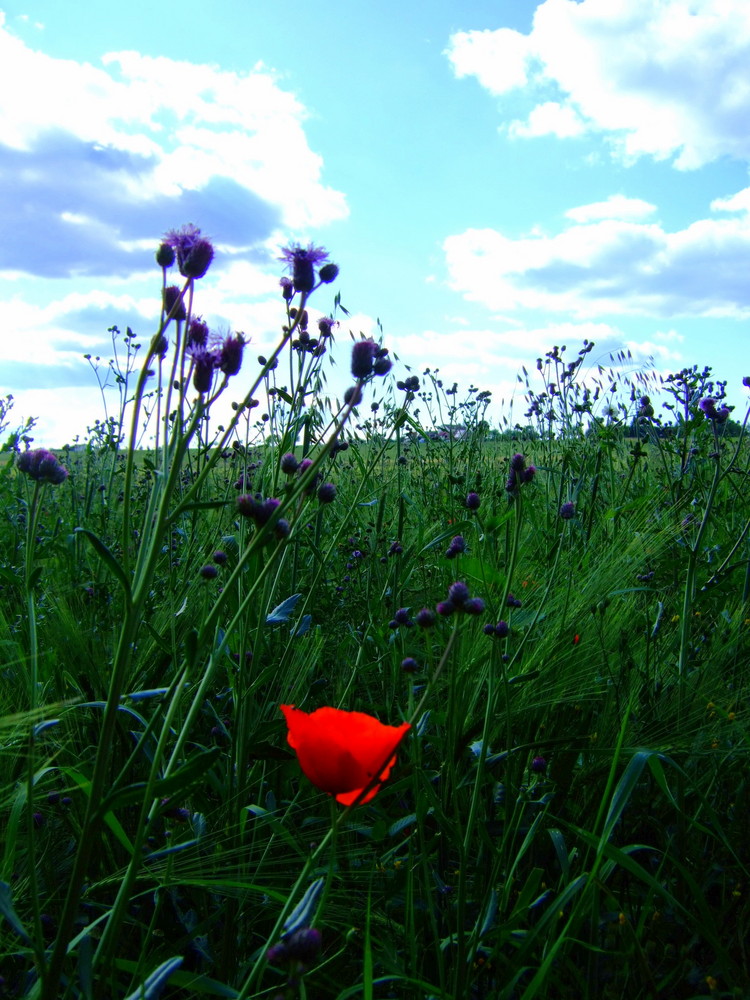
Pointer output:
230, 354
363, 357
193, 251
302, 262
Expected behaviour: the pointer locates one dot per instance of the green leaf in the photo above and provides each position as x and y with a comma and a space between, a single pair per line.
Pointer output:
195, 767
6, 909
107, 558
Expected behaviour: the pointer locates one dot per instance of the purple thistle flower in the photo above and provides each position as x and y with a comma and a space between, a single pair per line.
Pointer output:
42, 466
327, 493
512, 601
197, 333
518, 462
473, 606
568, 510
425, 618
288, 464
456, 547
209, 572
472, 501
401, 617
193, 251
502, 629
219, 557
287, 288
746, 381
326, 325
230, 354
528, 473
409, 665
458, 593
301, 261
363, 356
539, 765
445, 608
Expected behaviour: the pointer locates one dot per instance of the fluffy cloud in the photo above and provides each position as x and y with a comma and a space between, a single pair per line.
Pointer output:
617, 206
96, 161
663, 77
603, 265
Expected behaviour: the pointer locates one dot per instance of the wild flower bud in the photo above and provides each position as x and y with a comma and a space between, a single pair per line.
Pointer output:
230, 354
287, 288
382, 366
328, 273
539, 765
445, 608
173, 304
165, 255
303, 945
209, 572
409, 665
353, 396
472, 501
568, 510
425, 618
518, 462
325, 326
203, 369
159, 345
502, 629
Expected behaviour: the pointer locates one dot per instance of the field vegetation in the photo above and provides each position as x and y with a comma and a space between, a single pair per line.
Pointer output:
512, 761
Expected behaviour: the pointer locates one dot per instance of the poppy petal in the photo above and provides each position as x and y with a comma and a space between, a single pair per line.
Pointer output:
342, 752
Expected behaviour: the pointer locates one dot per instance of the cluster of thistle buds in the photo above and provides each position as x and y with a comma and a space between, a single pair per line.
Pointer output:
262, 511
520, 473
456, 547
708, 407
42, 466
459, 600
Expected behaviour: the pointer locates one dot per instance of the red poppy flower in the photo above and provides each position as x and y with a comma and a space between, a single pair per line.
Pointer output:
342, 752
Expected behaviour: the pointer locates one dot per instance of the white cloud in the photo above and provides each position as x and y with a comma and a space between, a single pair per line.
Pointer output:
739, 202
102, 156
497, 58
665, 78
617, 206
550, 118
608, 266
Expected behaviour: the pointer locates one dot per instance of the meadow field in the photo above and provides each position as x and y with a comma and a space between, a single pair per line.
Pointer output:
365, 697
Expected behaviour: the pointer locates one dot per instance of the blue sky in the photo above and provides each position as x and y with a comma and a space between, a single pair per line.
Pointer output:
492, 178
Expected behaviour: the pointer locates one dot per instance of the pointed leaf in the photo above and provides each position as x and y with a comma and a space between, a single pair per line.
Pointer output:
155, 983
283, 612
